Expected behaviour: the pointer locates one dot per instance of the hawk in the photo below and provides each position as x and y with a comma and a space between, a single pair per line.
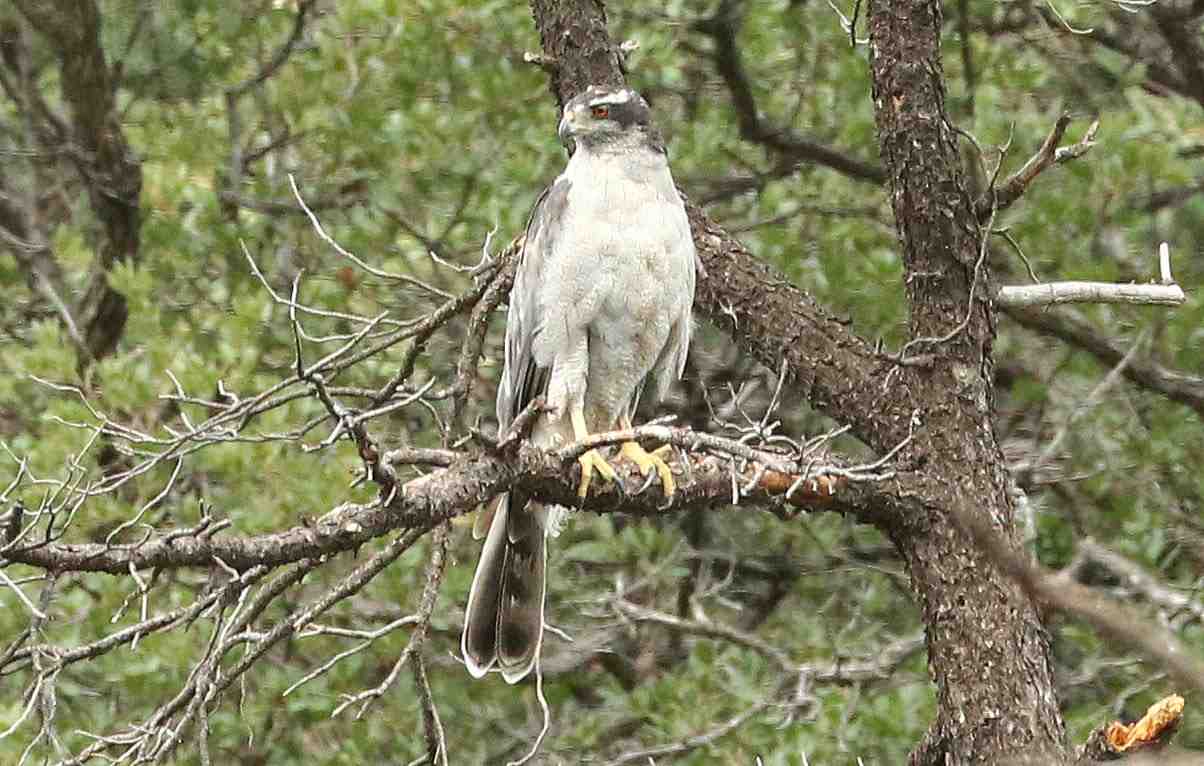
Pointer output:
601, 303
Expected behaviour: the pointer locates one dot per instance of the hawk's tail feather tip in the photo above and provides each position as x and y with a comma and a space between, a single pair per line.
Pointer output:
478, 644
475, 669
516, 674
503, 622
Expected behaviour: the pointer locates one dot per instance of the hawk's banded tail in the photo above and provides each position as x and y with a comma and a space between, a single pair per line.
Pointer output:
503, 623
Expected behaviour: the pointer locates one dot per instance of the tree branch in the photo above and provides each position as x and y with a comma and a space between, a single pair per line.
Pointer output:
1115, 619
1055, 293
111, 171
232, 194
840, 672
42, 270
1047, 156
1076, 331
281, 55
1133, 577
472, 479
794, 149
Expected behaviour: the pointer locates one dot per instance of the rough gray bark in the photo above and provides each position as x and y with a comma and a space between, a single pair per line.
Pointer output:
988, 652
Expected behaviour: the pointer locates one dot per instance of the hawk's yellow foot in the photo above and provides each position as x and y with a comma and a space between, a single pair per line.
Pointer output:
647, 461
593, 461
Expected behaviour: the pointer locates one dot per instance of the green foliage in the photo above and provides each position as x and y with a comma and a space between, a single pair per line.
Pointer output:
422, 129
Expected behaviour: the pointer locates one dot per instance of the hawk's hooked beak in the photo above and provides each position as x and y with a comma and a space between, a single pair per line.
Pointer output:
565, 132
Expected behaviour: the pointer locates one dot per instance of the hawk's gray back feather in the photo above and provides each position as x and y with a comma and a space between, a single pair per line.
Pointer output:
521, 380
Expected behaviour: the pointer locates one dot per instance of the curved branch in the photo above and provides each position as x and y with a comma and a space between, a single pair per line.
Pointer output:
722, 28
280, 56
472, 479
1048, 155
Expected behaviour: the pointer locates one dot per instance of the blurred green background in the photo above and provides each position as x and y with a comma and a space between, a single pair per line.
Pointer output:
413, 127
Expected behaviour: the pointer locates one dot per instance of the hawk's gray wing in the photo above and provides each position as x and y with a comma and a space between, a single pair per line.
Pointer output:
503, 623
522, 380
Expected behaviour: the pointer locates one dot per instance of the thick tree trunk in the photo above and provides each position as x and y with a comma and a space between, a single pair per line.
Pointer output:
988, 652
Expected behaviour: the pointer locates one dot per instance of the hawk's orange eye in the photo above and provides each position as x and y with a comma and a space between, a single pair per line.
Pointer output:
600, 112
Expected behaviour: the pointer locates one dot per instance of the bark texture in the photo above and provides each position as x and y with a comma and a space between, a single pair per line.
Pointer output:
988, 652
423, 503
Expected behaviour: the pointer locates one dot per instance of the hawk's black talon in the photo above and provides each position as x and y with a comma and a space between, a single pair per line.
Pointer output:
622, 485
649, 477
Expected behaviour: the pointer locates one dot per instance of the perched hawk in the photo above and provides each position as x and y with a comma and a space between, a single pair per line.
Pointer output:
601, 302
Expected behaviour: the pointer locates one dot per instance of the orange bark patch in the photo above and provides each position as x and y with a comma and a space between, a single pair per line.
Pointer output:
817, 490
1158, 722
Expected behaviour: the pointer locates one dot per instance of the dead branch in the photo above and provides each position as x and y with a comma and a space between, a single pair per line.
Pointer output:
1056, 293
1048, 155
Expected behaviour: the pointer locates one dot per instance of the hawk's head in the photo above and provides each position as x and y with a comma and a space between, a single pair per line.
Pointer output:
604, 115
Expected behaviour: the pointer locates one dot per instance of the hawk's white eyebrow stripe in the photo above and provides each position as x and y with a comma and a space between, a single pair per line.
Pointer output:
622, 97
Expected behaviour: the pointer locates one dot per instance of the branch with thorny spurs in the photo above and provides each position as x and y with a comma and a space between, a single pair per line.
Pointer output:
39, 528
230, 416
718, 470
714, 471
